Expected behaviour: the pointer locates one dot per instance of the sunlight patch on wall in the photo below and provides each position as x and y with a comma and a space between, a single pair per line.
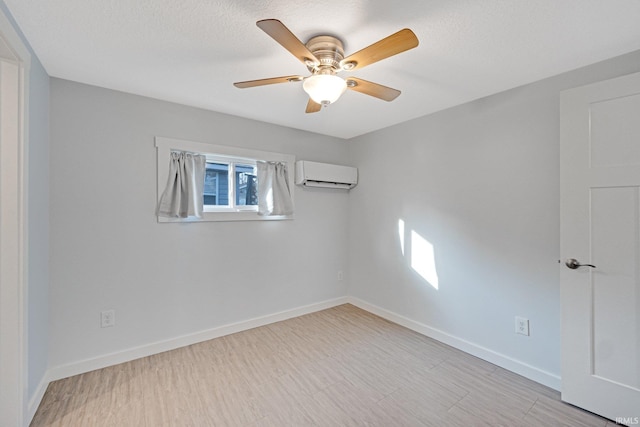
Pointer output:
401, 234
421, 253
423, 259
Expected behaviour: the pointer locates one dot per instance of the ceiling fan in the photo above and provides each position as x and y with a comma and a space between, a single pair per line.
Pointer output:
324, 57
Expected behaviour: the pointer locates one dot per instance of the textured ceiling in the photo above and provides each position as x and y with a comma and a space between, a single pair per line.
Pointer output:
191, 51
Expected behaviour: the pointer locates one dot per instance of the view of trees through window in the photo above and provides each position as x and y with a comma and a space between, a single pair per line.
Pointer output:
217, 188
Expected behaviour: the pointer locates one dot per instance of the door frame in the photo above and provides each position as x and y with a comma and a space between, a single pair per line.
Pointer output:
13, 231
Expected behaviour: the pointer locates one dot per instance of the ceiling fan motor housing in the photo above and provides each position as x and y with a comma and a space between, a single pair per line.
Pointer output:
329, 51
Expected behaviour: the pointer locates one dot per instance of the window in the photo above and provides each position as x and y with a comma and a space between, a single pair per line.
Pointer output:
230, 183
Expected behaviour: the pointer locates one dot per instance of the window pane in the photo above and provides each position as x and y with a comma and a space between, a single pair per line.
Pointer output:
216, 184
246, 188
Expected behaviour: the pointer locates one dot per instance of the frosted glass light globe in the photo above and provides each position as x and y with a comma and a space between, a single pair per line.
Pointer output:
324, 88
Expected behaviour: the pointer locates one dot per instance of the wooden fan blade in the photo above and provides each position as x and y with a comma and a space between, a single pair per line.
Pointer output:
273, 80
313, 106
372, 89
389, 46
287, 39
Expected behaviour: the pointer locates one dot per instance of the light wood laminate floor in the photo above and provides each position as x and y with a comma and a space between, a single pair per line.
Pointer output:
338, 367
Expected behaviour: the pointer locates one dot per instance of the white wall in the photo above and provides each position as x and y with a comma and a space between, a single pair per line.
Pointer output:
480, 182
169, 280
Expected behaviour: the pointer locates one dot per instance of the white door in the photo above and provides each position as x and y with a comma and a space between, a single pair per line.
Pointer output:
600, 225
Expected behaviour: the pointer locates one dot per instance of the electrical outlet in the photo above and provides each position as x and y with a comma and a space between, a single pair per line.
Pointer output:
107, 318
340, 276
522, 326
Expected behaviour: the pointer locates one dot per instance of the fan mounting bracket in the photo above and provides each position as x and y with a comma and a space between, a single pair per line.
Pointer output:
329, 51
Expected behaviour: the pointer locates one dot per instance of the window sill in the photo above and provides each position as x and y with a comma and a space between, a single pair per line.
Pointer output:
228, 216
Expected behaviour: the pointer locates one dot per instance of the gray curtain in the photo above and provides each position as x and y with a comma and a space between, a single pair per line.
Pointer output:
274, 193
184, 194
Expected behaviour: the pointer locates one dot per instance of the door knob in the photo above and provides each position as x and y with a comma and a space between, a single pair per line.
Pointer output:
573, 263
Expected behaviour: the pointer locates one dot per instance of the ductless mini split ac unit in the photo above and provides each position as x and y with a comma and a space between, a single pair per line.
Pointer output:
313, 174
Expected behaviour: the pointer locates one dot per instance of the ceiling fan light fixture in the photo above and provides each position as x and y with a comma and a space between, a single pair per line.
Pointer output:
324, 89
324, 57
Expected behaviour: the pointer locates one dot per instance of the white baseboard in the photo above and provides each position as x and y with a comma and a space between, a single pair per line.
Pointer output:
100, 362
36, 398
506, 362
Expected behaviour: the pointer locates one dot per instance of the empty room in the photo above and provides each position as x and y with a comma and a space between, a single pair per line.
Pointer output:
334, 213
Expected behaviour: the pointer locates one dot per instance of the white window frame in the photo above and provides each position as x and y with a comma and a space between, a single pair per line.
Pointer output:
219, 153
